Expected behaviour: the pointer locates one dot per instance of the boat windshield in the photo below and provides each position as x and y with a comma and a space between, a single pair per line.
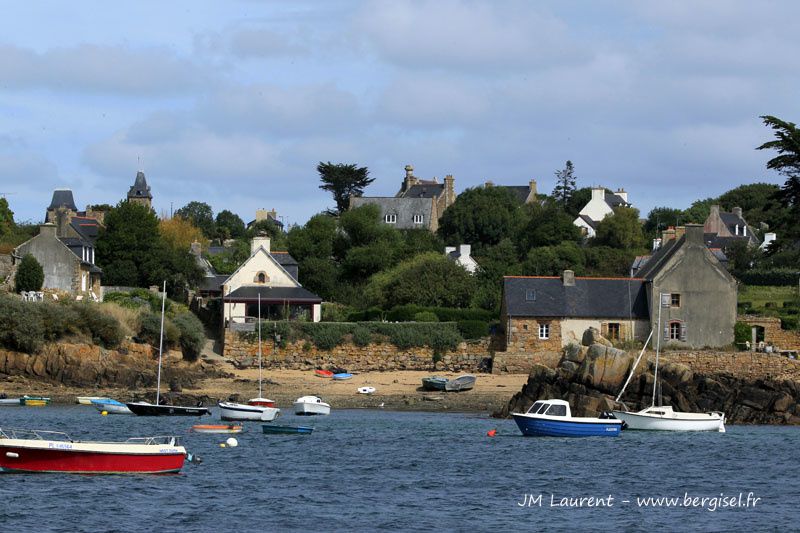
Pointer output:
536, 407
557, 410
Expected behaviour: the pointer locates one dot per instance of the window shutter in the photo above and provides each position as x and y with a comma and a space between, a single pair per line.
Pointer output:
666, 332
683, 332
604, 329
665, 299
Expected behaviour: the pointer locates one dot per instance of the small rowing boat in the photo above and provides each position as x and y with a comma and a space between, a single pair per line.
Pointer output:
343, 376
34, 401
87, 400
217, 428
366, 390
271, 429
323, 373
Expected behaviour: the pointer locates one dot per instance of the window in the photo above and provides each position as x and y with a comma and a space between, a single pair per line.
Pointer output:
530, 295
419, 219
613, 330
262, 277
674, 331
557, 410
544, 331
390, 219
675, 300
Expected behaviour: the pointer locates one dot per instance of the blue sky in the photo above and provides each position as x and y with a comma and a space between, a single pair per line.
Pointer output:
235, 103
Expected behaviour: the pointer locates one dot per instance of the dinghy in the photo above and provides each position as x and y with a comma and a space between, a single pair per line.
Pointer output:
274, 429
217, 428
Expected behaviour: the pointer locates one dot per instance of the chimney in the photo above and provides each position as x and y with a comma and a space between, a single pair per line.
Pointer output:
598, 193
656, 244
622, 194
680, 231
488, 184
737, 211
464, 250
195, 248
410, 180
449, 250
449, 190
261, 240
261, 214
48, 230
695, 235
532, 189
668, 235
273, 214
568, 278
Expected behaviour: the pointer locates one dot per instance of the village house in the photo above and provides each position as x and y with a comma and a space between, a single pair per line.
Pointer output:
723, 228
599, 206
683, 287
525, 194
460, 255
417, 205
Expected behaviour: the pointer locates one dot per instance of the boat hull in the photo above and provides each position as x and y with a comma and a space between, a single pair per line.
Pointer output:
115, 408
286, 430
534, 426
311, 406
342, 377
238, 411
217, 428
676, 422
434, 383
149, 409
461, 383
11, 401
18, 455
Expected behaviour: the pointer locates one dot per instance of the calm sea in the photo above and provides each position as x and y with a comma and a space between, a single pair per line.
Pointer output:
379, 470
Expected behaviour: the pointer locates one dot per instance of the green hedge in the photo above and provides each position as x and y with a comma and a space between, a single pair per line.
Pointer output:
193, 337
772, 277
742, 334
790, 323
473, 329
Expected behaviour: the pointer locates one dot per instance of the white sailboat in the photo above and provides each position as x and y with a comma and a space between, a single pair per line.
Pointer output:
261, 409
664, 418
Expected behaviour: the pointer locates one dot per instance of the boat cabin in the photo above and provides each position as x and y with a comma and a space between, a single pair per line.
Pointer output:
550, 408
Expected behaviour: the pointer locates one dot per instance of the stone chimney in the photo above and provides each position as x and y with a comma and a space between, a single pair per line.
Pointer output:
737, 211
568, 278
260, 241
668, 235
488, 184
695, 235
680, 231
48, 230
532, 189
195, 248
622, 194
449, 190
410, 180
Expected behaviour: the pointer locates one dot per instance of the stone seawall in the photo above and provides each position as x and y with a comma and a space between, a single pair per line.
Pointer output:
302, 355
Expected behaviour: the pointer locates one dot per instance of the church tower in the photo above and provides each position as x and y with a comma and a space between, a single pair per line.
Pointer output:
140, 191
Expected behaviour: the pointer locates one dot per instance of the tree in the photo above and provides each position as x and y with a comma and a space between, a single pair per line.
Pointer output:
660, 218
546, 225
180, 233
229, 225
787, 144
578, 201
759, 202
6, 218
621, 230
698, 212
553, 260
565, 184
481, 216
343, 181
200, 215
30, 275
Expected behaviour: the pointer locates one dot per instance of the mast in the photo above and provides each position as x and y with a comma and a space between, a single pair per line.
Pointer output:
161, 344
259, 345
658, 348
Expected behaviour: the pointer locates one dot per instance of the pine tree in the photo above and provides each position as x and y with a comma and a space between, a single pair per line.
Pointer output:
565, 184
343, 181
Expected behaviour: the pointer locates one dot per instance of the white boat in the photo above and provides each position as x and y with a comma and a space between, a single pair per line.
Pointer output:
664, 418
366, 390
259, 408
111, 407
311, 405
10, 401
87, 400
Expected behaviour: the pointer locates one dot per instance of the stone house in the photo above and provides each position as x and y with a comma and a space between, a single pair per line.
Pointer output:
683, 287
417, 205
723, 228
139, 193
525, 194
272, 276
599, 206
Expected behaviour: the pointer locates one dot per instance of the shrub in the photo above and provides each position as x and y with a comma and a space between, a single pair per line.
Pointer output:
192, 335
742, 334
58, 320
20, 329
30, 275
774, 277
425, 316
790, 323
103, 329
473, 329
128, 318
151, 329
333, 312
362, 336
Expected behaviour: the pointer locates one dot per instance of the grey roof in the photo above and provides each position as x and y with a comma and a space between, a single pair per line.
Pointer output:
623, 298
269, 219
213, 283
615, 200
62, 198
283, 258
521, 192
216, 250
404, 208
86, 227
424, 190
250, 293
140, 188
660, 256
592, 224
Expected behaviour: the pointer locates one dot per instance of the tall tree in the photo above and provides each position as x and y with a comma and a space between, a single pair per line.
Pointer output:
6, 218
129, 240
787, 162
229, 225
481, 216
547, 224
565, 184
660, 218
180, 233
30, 275
343, 181
621, 230
200, 215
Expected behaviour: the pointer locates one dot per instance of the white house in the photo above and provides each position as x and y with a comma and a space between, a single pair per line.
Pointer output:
600, 206
263, 277
461, 256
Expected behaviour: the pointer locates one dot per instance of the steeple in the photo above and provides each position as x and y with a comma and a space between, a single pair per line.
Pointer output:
140, 191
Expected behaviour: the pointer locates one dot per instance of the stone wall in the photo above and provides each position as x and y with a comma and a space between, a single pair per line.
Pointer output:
523, 335
302, 355
773, 334
523, 363
745, 365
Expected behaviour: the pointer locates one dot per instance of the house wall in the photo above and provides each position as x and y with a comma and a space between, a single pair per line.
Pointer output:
708, 297
781, 339
586, 228
247, 274
61, 267
597, 208
572, 329
522, 335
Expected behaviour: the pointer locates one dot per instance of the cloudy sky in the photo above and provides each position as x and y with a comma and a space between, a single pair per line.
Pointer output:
234, 103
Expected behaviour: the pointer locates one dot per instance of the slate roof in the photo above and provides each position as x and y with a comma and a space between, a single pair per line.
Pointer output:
269, 219
140, 188
213, 283
249, 293
87, 227
591, 223
424, 190
615, 200
623, 298
661, 255
283, 258
404, 208
62, 198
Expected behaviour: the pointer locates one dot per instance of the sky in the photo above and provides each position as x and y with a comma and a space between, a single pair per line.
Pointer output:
234, 103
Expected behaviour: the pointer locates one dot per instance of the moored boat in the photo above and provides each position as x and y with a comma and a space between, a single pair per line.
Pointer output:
34, 401
275, 429
10, 401
87, 400
264, 402
665, 419
434, 383
311, 405
239, 411
151, 409
553, 418
217, 428
461, 383
111, 406
25, 450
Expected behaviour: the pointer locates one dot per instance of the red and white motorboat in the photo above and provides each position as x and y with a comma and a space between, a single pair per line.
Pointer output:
28, 450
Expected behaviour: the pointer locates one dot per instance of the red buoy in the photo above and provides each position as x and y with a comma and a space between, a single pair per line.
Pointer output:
491, 432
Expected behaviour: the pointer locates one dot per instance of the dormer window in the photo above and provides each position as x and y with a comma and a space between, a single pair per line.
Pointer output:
390, 219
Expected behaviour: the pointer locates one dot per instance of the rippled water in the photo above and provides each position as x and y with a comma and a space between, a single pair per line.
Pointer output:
366, 470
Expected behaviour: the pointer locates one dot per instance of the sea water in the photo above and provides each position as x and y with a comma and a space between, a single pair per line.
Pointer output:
366, 470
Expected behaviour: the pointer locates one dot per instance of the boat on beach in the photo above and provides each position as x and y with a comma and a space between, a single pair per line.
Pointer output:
277, 429
27, 450
434, 383
323, 373
366, 390
311, 405
342, 376
111, 406
217, 428
461, 383
553, 418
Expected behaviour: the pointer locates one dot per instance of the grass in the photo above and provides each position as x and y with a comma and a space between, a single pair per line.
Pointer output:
760, 296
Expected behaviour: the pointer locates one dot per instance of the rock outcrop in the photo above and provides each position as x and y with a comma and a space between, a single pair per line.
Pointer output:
590, 378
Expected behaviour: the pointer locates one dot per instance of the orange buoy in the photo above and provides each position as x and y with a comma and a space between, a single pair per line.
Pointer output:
491, 432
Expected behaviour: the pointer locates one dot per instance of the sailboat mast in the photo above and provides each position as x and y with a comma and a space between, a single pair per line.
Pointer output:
161, 344
658, 348
259, 345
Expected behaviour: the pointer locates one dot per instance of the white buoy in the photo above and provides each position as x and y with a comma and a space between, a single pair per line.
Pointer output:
233, 443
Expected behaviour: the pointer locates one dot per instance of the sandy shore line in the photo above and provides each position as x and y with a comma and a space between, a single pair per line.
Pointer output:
399, 390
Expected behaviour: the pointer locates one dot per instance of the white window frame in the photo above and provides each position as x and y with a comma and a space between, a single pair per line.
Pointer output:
544, 331
390, 219
419, 219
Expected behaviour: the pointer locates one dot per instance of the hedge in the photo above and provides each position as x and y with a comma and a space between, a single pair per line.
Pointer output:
772, 277
473, 329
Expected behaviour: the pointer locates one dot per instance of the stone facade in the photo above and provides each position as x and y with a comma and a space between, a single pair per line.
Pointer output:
747, 365
302, 355
522, 335
781, 339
